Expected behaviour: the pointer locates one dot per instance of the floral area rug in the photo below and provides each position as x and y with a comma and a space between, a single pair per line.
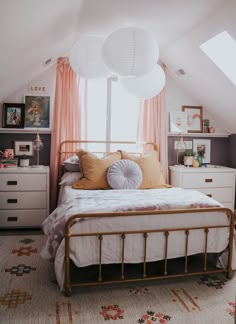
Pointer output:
29, 294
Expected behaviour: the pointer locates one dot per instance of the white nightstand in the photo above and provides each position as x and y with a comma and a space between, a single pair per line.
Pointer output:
24, 196
216, 182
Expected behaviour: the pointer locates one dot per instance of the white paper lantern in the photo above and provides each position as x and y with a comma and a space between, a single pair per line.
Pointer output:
130, 51
146, 86
85, 57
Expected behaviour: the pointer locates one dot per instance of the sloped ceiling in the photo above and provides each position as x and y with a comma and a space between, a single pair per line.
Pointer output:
32, 31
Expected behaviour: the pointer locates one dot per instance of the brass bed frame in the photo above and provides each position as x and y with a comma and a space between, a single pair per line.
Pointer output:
123, 277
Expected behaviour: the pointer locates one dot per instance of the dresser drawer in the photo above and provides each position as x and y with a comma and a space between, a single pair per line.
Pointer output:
208, 180
22, 182
222, 195
22, 218
22, 200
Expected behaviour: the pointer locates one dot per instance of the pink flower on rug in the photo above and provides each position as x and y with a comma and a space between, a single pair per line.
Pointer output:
162, 320
231, 311
150, 317
159, 314
111, 312
149, 322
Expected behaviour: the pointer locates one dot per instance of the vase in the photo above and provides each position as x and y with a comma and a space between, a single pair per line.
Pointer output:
199, 158
188, 160
195, 163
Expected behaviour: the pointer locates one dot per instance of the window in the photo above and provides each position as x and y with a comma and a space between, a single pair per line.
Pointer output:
221, 49
111, 114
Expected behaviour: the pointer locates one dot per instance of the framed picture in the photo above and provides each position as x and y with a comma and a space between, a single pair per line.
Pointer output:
37, 111
13, 115
202, 147
24, 148
178, 122
194, 118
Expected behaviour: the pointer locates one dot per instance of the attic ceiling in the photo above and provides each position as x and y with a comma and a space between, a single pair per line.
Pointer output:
32, 31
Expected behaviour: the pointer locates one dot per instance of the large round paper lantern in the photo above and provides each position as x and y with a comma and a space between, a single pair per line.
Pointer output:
85, 57
130, 51
146, 86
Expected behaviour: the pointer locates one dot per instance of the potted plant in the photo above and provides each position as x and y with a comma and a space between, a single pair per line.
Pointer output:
188, 157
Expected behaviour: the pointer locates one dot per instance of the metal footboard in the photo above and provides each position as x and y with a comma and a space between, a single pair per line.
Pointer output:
145, 233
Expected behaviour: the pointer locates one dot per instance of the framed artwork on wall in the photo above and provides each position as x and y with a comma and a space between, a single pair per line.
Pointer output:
178, 122
24, 148
194, 118
13, 115
37, 111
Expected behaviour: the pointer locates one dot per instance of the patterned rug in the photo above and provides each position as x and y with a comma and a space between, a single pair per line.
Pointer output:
29, 294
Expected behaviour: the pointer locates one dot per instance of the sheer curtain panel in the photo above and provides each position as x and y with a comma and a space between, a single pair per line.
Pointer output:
66, 123
152, 127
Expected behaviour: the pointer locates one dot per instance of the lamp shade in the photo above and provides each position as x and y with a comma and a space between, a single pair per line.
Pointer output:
130, 51
85, 57
146, 86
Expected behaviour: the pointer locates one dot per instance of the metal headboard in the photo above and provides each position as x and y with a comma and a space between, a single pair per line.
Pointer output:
64, 152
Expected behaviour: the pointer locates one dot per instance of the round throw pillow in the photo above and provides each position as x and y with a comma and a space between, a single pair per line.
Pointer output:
124, 174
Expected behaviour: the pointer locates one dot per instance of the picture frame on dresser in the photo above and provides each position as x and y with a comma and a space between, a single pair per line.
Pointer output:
13, 115
23, 148
202, 147
194, 118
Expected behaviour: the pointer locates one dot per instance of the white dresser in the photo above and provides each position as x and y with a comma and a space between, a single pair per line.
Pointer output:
24, 196
216, 182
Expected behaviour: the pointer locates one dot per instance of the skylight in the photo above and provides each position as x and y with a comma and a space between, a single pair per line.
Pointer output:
221, 49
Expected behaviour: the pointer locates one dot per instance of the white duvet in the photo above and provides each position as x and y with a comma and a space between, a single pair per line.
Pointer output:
84, 251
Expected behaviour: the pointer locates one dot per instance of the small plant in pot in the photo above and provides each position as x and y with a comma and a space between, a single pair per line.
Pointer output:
188, 157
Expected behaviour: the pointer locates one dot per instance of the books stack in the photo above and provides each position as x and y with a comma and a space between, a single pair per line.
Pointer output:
8, 163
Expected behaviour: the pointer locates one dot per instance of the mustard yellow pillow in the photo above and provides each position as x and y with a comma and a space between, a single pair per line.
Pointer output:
151, 169
94, 170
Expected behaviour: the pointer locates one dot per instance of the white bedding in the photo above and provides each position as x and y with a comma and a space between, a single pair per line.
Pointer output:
84, 251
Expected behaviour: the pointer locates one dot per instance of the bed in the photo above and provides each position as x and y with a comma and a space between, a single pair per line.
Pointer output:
140, 231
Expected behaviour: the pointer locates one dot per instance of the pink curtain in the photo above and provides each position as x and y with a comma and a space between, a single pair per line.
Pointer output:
153, 127
66, 117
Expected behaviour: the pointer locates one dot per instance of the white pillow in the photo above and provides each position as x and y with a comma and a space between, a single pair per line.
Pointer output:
124, 174
72, 164
69, 178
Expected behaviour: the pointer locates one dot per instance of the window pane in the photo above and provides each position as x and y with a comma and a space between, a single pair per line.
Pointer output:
124, 115
124, 109
96, 113
221, 49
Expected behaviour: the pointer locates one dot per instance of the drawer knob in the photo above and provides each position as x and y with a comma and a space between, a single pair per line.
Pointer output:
12, 219
12, 183
12, 201
208, 180
209, 195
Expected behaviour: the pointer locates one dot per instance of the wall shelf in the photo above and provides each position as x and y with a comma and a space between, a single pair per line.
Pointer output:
25, 130
199, 134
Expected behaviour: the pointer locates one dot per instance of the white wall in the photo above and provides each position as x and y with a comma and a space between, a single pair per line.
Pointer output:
176, 97
44, 85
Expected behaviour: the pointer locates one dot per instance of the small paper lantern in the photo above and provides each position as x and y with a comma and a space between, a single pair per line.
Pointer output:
85, 57
130, 52
146, 86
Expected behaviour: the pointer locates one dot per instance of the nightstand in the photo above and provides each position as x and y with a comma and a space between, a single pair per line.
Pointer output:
216, 182
24, 196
